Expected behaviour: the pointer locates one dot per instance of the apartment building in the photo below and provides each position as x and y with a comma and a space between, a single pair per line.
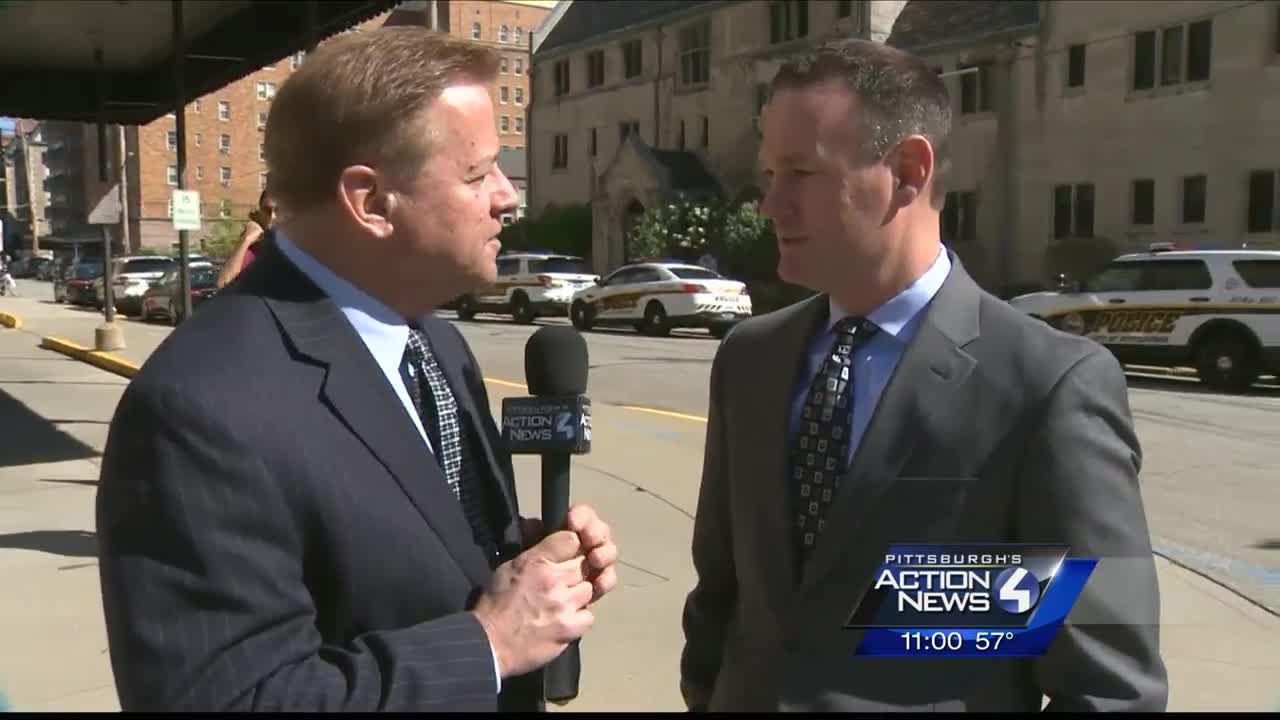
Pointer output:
1133, 121
23, 200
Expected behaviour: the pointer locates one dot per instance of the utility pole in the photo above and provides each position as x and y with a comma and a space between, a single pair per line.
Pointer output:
124, 193
25, 143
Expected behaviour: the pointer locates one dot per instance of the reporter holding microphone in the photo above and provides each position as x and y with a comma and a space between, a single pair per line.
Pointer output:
326, 518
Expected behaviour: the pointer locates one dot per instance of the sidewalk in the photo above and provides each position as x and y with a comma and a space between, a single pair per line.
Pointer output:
1221, 651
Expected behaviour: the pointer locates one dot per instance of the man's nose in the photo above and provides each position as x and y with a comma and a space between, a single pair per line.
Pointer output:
507, 197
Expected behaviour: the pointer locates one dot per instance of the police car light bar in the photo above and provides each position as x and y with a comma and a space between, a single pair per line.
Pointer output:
1161, 247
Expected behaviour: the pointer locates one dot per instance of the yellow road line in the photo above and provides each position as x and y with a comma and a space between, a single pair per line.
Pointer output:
636, 408
507, 383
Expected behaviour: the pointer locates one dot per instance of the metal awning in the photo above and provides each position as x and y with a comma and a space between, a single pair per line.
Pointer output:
48, 69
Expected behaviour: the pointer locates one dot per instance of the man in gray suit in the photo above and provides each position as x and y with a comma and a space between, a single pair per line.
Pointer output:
900, 404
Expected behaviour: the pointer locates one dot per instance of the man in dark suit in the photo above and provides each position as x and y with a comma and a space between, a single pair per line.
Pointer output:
900, 404
305, 503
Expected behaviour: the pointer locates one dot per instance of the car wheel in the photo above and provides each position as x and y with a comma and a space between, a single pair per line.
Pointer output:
522, 309
466, 308
719, 331
581, 316
1227, 361
655, 319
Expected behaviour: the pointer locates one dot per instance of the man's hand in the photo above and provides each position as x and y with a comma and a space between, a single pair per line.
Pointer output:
536, 604
596, 539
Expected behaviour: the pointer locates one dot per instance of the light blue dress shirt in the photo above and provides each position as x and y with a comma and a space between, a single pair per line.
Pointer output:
873, 363
383, 331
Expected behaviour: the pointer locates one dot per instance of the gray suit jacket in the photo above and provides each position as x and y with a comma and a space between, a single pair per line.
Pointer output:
994, 428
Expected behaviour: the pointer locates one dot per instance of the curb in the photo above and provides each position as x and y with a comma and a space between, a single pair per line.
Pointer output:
10, 321
105, 361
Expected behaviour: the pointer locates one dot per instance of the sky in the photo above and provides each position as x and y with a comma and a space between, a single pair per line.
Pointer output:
6, 124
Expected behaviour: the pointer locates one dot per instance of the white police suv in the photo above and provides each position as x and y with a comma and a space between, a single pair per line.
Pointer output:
529, 285
1217, 311
655, 297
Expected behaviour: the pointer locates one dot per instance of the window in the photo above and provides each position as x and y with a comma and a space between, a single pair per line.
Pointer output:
173, 175
224, 110
562, 78
503, 95
262, 181
630, 127
788, 20
224, 176
695, 53
1195, 190
502, 64
224, 143
519, 36
504, 124
595, 139
844, 8
1184, 54
199, 139
1143, 202
224, 209
595, 68
680, 140
195, 106
1259, 273
1075, 66
502, 34
1176, 275
1073, 211
199, 172
295, 61
960, 218
1262, 202
509, 266
475, 31
975, 89
266, 90
171, 139
519, 125
519, 66
519, 96
706, 131
1117, 277
262, 121
560, 152
632, 59
262, 151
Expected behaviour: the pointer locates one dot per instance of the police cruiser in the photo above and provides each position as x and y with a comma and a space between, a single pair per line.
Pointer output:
1217, 311
655, 297
529, 285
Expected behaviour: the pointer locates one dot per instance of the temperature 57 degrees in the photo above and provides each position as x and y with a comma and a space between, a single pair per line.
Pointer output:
990, 640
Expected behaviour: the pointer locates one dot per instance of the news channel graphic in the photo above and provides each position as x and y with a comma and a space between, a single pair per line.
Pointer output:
540, 425
965, 601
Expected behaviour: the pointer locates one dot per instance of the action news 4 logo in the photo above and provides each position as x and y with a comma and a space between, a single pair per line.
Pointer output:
987, 600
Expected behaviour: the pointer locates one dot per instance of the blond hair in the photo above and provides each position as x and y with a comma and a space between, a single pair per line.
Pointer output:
360, 99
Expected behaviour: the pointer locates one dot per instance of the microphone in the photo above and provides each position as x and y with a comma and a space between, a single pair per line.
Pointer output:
555, 424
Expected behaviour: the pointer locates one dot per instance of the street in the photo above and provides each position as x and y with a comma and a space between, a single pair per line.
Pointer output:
1210, 494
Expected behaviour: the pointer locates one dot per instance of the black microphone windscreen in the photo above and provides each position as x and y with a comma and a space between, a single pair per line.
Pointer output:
555, 362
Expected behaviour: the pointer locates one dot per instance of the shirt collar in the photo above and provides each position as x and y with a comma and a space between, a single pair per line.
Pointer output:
895, 316
383, 331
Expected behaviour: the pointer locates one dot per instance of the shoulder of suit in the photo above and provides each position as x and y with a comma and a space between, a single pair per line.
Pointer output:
1032, 351
761, 328
225, 339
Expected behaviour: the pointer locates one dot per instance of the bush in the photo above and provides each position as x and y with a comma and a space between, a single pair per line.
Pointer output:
562, 229
1078, 258
221, 238
687, 228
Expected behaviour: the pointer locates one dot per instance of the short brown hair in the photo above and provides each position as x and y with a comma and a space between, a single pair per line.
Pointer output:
359, 99
899, 94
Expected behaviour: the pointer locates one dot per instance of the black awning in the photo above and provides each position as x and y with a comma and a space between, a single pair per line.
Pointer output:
48, 69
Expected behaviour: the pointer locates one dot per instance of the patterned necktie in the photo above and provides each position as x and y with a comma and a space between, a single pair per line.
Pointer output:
819, 457
438, 409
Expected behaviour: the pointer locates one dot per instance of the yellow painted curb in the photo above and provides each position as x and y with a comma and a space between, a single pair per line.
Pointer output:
105, 361
10, 321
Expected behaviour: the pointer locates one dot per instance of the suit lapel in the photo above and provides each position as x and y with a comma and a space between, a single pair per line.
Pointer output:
356, 390
932, 367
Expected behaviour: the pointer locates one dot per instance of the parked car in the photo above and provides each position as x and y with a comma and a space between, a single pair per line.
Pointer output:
75, 284
529, 285
655, 297
163, 298
130, 278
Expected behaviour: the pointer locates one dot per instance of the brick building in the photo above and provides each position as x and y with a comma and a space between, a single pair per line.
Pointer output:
24, 203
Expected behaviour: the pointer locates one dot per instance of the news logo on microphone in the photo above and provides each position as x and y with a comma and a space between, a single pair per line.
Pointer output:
993, 600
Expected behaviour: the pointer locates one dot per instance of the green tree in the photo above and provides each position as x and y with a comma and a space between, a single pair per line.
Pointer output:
559, 228
683, 228
221, 238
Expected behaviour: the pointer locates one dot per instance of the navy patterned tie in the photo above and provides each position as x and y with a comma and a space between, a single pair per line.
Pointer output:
438, 409
819, 457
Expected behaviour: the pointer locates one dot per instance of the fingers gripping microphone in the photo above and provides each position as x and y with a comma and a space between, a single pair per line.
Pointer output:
555, 424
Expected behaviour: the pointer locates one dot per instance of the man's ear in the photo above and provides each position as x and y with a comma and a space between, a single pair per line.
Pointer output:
367, 199
912, 164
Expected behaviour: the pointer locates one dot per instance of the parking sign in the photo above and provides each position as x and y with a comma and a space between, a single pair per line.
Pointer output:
186, 210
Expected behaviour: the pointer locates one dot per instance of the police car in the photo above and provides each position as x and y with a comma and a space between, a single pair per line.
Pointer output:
655, 297
529, 285
1217, 311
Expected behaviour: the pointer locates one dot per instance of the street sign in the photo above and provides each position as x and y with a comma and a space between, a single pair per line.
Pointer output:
107, 211
186, 210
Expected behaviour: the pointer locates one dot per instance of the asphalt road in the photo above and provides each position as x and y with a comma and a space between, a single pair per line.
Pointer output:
1209, 478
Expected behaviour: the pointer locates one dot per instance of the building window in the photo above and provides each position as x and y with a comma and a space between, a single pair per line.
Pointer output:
519, 40
266, 90
195, 106
502, 34
262, 181
1181, 54
706, 131
630, 127
224, 208
844, 8
960, 218
975, 89
562, 78
224, 110
1075, 66
788, 20
1073, 211
595, 68
262, 121
199, 138
519, 125
680, 141
502, 64
504, 94
560, 152
1195, 197
224, 144
519, 66
695, 53
1143, 202
504, 124
262, 151
295, 60
171, 140
595, 139
475, 31
1262, 216
632, 59
199, 172
224, 176
173, 175
519, 96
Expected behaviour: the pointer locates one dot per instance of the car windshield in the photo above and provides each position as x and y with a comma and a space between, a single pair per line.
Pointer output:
87, 271
203, 278
146, 265
691, 273
575, 266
